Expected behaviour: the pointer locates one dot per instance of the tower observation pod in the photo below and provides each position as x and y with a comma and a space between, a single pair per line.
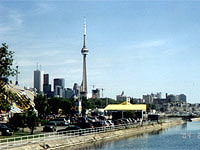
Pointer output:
84, 52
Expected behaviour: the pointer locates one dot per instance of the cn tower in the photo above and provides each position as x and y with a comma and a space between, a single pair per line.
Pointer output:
84, 52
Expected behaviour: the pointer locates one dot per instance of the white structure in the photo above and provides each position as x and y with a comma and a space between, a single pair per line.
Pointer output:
84, 52
38, 80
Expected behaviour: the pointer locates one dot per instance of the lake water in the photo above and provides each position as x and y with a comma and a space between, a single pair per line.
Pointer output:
183, 137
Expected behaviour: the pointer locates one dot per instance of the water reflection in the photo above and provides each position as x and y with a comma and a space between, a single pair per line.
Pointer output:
184, 125
156, 132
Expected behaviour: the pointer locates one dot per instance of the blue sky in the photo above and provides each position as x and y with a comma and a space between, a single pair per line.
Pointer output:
139, 47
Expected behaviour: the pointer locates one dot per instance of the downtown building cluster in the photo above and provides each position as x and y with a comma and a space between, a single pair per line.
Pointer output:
43, 87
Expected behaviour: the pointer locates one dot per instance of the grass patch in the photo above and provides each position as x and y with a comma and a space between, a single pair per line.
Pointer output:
16, 134
20, 133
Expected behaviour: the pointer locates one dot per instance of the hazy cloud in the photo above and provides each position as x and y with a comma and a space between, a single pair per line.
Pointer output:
43, 8
149, 44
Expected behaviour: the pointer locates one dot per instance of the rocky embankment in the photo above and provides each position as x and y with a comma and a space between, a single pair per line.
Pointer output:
68, 142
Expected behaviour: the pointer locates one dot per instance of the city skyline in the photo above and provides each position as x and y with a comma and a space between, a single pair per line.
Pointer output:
136, 47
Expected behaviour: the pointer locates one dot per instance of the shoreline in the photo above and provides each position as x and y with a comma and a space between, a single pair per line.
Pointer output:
195, 119
132, 132
88, 140
83, 141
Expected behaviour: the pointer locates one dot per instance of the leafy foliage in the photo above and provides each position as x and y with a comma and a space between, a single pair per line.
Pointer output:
50, 106
6, 70
31, 119
18, 121
27, 119
97, 103
6, 61
4, 104
46, 106
41, 105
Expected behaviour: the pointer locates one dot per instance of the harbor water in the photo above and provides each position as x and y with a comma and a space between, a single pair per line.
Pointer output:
182, 137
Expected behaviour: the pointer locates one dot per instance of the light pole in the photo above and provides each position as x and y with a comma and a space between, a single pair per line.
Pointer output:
17, 72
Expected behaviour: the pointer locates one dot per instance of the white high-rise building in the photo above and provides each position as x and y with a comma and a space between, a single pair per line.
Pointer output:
38, 80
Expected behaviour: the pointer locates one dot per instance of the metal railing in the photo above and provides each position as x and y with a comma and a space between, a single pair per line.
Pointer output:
39, 138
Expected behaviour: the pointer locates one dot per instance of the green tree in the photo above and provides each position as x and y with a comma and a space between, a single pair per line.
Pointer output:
65, 104
41, 105
6, 62
18, 121
98, 102
6, 70
54, 104
31, 119
4, 104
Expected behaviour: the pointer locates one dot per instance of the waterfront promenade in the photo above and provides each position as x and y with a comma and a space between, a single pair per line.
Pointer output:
65, 140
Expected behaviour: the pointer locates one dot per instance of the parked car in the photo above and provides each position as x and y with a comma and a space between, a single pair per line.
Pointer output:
50, 126
121, 121
126, 121
110, 123
98, 124
130, 120
105, 123
81, 119
91, 119
84, 125
69, 130
4, 130
134, 121
116, 122
101, 118
60, 121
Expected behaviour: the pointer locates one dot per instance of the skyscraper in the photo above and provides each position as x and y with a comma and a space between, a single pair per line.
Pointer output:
38, 80
75, 89
46, 78
59, 85
84, 52
47, 86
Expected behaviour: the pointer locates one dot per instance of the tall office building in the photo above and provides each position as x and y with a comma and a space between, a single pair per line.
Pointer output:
84, 52
46, 78
59, 85
47, 86
68, 93
38, 80
76, 89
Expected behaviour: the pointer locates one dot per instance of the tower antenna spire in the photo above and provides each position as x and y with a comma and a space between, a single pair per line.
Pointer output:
84, 52
37, 66
84, 25
84, 33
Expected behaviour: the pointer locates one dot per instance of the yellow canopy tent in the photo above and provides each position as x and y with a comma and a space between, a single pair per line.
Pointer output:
122, 107
126, 106
20, 99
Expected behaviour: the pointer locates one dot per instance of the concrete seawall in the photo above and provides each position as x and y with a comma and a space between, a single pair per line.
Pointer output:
195, 119
59, 144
